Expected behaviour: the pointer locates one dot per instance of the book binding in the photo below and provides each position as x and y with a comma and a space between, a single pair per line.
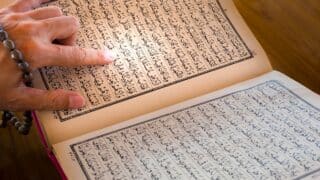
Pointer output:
50, 154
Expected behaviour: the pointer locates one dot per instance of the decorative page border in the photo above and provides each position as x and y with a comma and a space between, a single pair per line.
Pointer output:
72, 146
250, 56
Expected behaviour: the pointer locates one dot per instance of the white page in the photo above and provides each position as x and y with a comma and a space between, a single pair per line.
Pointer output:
265, 128
166, 52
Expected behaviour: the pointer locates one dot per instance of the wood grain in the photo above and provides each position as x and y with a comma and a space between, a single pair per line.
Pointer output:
287, 29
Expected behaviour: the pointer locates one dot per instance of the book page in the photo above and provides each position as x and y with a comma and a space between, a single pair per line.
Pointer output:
265, 128
165, 52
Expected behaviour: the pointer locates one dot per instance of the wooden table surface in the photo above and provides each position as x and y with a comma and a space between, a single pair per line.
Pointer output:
289, 31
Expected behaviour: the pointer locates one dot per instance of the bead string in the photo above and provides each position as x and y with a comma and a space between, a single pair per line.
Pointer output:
9, 117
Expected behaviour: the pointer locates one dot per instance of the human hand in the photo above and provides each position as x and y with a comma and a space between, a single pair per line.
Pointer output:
34, 32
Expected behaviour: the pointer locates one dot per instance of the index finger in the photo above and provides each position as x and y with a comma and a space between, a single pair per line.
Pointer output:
60, 55
26, 5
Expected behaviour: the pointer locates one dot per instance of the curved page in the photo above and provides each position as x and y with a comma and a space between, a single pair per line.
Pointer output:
165, 52
265, 128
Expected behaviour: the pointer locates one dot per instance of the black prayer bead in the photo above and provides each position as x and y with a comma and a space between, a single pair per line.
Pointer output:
28, 83
17, 124
27, 120
16, 55
27, 76
23, 130
3, 121
13, 120
28, 124
9, 44
24, 66
28, 114
7, 115
3, 35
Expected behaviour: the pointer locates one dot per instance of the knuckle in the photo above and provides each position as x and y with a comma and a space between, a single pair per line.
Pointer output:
28, 27
42, 106
12, 17
56, 10
69, 56
74, 22
45, 24
80, 54
55, 100
59, 50
73, 19
12, 102
10, 21
6, 10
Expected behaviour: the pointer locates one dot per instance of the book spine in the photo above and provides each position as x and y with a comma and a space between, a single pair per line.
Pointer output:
50, 154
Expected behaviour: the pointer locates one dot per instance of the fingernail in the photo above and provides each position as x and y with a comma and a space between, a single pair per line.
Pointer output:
76, 101
108, 56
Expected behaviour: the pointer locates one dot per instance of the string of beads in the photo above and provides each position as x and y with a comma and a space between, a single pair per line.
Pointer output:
24, 124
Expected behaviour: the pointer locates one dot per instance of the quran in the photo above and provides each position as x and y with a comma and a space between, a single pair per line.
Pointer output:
191, 95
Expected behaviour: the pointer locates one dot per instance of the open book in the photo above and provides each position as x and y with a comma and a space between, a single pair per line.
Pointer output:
191, 95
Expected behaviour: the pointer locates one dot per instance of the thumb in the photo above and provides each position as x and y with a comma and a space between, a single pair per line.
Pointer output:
37, 99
